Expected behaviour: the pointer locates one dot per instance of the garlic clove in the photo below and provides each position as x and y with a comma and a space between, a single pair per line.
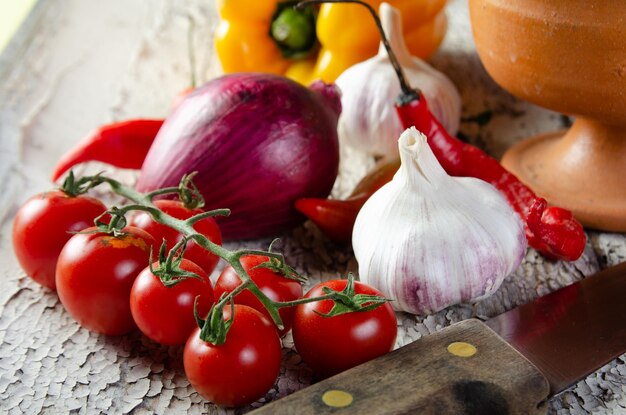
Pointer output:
369, 90
429, 240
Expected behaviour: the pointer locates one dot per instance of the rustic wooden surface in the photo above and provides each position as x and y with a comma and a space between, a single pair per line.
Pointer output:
84, 63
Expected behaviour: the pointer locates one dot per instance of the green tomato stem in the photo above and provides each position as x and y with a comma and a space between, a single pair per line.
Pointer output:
159, 192
331, 296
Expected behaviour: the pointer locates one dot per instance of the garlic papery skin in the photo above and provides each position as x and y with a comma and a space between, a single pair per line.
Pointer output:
368, 119
428, 240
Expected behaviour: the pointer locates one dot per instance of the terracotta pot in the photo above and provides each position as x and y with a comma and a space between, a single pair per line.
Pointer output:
568, 56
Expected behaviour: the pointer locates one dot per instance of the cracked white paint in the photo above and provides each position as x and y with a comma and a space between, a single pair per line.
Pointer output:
93, 62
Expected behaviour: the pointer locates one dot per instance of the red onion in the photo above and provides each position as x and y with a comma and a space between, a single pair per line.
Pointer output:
258, 143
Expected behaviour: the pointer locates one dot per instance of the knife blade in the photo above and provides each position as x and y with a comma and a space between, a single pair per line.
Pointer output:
510, 364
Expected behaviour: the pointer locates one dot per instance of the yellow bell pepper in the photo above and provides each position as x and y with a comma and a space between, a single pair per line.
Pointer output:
316, 47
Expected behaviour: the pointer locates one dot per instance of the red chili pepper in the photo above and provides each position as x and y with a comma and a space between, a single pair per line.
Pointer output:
335, 218
123, 144
553, 231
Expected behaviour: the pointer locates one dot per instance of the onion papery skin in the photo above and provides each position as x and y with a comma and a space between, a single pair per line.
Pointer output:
258, 142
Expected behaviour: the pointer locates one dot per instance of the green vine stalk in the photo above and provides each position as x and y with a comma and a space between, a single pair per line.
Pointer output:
214, 329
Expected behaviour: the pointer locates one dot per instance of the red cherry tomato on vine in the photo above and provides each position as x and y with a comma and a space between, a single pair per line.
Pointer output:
95, 273
194, 252
273, 284
243, 368
44, 224
330, 345
165, 314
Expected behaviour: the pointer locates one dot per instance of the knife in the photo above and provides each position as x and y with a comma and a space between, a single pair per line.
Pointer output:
510, 364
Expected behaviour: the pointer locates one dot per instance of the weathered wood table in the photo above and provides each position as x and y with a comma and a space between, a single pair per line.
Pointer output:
77, 64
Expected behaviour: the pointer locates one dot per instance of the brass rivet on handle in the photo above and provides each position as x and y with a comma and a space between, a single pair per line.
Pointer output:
462, 349
337, 398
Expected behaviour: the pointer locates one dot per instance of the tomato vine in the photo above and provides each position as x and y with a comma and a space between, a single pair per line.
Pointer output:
214, 329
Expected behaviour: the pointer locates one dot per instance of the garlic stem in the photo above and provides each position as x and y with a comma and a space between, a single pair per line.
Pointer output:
391, 22
415, 154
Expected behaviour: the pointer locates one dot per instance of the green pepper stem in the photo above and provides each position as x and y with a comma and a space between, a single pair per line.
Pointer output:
293, 30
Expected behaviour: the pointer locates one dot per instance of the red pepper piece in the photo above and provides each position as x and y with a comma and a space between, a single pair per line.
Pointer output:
335, 218
122, 144
553, 231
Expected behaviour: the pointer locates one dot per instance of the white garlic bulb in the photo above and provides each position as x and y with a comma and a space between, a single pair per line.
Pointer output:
368, 120
428, 240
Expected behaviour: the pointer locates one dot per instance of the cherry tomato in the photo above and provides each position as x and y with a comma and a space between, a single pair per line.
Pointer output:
95, 273
330, 345
194, 252
165, 314
273, 284
44, 224
243, 368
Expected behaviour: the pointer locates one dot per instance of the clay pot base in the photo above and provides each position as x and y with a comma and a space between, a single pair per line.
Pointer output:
583, 170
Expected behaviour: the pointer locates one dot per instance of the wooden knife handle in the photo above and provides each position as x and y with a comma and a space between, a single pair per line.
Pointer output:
463, 369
